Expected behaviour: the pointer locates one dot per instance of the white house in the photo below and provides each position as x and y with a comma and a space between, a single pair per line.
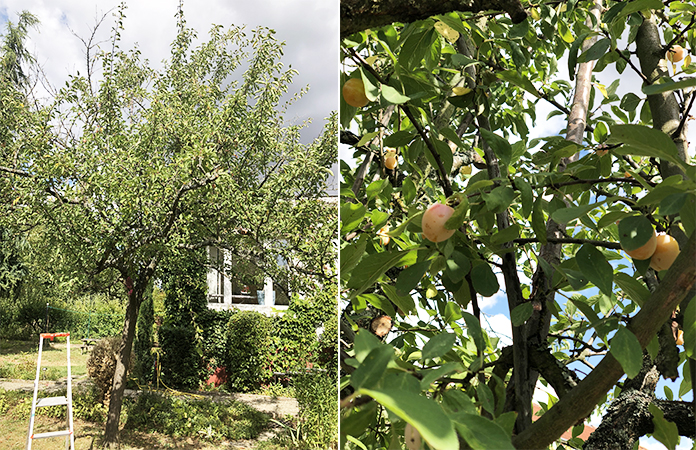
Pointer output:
225, 292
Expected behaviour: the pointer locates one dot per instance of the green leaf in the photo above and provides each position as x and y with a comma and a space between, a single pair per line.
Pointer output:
595, 267
474, 330
485, 396
500, 146
373, 266
595, 52
458, 265
665, 431
393, 96
512, 76
399, 139
565, 215
351, 216
506, 235
630, 102
445, 154
372, 367
484, 280
519, 30
668, 86
423, 414
364, 343
538, 221
499, 199
378, 302
521, 313
634, 289
458, 216
526, 196
635, 232
481, 433
612, 217
410, 277
627, 351
640, 5
430, 376
641, 140
438, 345
404, 302
672, 204
351, 254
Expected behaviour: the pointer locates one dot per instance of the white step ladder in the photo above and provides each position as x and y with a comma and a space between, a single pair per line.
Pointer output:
52, 401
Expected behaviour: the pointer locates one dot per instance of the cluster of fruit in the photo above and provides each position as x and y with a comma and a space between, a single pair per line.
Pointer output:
662, 249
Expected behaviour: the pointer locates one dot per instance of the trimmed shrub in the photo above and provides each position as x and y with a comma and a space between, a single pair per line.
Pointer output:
101, 365
249, 351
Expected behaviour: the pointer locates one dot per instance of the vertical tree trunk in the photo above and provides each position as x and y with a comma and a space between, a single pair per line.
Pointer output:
121, 373
542, 294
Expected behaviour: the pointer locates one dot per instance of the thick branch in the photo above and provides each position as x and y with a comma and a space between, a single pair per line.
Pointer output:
677, 285
359, 15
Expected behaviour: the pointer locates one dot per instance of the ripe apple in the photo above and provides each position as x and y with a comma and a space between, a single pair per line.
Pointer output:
412, 437
676, 53
433, 223
646, 251
666, 252
354, 93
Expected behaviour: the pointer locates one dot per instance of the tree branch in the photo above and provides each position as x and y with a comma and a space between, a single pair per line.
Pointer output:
677, 285
359, 15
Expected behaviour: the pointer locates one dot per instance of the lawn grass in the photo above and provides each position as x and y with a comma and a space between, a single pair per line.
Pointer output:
14, 421
18, 359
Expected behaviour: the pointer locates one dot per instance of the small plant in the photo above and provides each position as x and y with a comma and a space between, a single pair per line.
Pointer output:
317, 424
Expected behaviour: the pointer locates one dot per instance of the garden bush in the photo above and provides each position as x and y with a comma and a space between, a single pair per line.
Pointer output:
249, 351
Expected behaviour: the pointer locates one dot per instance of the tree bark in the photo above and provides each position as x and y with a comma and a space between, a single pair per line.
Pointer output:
121, 372
359, 15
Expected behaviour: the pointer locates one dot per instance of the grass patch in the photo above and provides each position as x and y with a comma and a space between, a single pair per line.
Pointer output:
205, 419
18, 360
152, 421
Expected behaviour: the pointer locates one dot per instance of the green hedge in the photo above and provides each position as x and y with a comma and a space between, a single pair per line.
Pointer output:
249, 354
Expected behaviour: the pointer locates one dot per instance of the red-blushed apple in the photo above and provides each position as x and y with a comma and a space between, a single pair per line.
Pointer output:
433, 223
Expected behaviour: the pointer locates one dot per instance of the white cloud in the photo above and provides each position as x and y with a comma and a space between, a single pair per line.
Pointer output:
309, 28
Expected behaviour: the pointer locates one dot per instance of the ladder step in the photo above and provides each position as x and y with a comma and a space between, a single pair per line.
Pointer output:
51, 401
51, 434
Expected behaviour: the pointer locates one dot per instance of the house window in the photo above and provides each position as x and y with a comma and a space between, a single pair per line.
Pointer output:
216, 288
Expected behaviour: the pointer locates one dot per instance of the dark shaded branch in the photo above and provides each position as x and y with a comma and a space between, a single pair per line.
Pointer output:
605, 244
359, 15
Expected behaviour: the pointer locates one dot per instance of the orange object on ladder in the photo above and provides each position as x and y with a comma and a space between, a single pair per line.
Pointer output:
52, 401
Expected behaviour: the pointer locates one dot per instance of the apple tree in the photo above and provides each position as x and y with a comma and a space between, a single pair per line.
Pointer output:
129, 164
538, 209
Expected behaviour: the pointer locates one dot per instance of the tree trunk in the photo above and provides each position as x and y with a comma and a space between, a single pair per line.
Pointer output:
121, 373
